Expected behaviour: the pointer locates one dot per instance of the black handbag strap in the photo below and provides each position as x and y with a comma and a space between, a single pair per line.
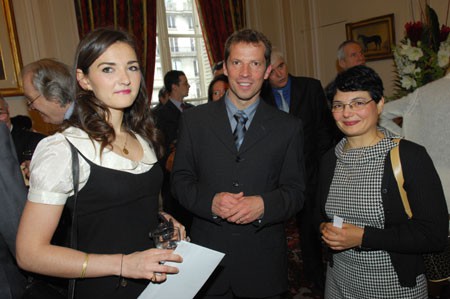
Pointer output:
73, 231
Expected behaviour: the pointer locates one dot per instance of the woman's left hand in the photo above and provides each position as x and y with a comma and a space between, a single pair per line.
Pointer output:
348, 236
181, 227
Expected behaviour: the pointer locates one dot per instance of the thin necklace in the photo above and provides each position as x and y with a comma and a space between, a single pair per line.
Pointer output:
125, 150
347, 145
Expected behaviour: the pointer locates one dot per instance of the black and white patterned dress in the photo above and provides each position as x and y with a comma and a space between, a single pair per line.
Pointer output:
355, 196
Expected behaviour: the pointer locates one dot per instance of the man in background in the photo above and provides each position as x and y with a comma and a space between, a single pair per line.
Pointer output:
48, 87
25, 141
163, 97
425, 120
239, 170
167, 120
217, 69
349, 54
13, 195
304, 98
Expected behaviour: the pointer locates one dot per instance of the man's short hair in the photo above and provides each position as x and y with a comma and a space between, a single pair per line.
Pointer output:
249, 36
340, 52
217, 66
162, 92
276, 53
52, 79
172, 77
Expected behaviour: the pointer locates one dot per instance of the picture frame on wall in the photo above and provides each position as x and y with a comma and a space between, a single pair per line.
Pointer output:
10, 59
376, 36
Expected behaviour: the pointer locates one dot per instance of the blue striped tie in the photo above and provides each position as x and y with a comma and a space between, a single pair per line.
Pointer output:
239, 132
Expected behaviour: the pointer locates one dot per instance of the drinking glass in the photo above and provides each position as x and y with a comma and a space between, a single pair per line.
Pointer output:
27, 154
166, 237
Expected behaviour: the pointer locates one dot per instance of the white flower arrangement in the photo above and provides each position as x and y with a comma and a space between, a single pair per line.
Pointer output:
422, 55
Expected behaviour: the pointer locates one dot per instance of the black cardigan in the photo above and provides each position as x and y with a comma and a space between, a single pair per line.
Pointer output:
404, 239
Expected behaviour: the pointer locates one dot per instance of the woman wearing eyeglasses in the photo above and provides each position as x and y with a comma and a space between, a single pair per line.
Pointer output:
377, 253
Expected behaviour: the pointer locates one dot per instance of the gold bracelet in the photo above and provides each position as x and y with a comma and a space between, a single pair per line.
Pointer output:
83, 270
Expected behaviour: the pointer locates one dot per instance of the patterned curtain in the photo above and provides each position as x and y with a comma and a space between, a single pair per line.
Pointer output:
219, 19
138, 17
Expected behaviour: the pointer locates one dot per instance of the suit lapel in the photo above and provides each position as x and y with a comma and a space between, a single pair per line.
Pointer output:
220, 124
174, 111
257, 129
297, 94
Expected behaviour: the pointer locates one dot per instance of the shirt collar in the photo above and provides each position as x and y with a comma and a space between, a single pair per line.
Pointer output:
231, 111
177, 104
69, 111
285, 88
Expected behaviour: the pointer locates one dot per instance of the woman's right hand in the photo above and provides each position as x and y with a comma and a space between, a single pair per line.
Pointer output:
336, 238
149, 264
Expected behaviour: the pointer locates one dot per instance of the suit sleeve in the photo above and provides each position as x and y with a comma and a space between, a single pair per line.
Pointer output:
324, 121
427, 230
194, 195
285, 201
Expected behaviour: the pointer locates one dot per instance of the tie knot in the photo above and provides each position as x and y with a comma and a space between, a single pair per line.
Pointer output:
184, 106
241, 117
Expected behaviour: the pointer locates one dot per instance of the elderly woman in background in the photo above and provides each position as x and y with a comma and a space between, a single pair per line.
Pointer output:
377, 253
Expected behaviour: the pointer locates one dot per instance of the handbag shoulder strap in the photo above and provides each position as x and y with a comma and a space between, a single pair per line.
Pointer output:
398, 173
76, 179
73, 231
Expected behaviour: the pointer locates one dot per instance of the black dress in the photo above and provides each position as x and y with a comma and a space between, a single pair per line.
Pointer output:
116, 212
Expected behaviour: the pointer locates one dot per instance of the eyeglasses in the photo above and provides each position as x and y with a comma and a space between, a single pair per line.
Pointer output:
355, 105
29, 103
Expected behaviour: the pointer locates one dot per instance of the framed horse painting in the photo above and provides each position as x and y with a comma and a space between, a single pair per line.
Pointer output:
376, 36
10, 59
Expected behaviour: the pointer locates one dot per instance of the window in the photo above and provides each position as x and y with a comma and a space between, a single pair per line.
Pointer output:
196, 72
173, 44
191, 23
171, 21
180, 46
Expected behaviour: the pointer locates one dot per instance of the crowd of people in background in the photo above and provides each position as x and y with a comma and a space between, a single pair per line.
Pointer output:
266, 148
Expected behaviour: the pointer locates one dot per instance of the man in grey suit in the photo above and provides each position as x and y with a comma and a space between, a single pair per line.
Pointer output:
13, 195
239, 170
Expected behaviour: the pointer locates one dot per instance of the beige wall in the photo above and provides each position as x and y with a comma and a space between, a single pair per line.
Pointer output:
45, 29
309, 31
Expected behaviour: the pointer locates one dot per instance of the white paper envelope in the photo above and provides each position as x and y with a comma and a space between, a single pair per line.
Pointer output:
337, 221
198, 264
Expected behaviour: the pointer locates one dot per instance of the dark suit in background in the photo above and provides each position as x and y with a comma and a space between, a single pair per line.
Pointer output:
13, 195
308, 103
25, 141
167, 121
269, 163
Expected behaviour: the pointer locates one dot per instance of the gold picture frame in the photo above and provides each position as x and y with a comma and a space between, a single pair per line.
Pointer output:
10, 59
376, 35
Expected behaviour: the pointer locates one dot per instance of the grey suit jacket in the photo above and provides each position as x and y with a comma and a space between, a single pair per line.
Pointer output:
13, 195
269, 163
